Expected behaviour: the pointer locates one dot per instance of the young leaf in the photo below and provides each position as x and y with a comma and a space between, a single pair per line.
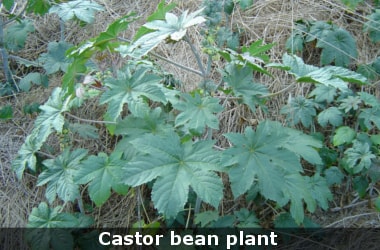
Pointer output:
246, 219
343, 135
350, 103
84, 10
8, 4
15, 35
102, 173
323, 93
372, 26
59, 175
359, 157
198, 112
55, 59
319, 190
129, 87
175, 166
301, 110
318, 30
172, 27
339, 47
333, 176
331, 115
240, 79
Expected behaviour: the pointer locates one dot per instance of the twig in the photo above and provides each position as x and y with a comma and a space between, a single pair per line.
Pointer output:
90, 121
337, 209
351, 217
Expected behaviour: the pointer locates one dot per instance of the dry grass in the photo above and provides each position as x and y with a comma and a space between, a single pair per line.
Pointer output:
270, 20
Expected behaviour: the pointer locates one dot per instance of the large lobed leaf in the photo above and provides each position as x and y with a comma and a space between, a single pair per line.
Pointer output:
129, 87
102, 172
198, 112
270, 158
240, 80
59, 175
175, 166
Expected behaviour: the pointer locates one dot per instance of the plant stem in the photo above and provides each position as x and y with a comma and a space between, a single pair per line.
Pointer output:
4, 55
197, 57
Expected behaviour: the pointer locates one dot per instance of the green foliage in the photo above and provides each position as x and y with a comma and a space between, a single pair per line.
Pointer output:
167, 136
371, 26
240, 80
270, 157
102, 173
197, 112
55, 59
16, 34
352, 3
129, 87
174, 168
82, 10
6, 112
59, 176
49, 228
40, 7
300, 109
337, 44
173, 28
33, 78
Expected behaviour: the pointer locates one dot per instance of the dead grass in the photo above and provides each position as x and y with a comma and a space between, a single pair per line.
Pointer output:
270, 20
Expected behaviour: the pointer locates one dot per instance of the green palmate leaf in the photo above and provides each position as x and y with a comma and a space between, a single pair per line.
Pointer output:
240, 80
319, 190
338, 46
198, 112
33, 78
323, 93
359, 157
205, 218
372, 26
246, 218
84, 10
343, 135
59, 175
370, 116
129, 87
172, 27
331, 115
102, 172
38, 6
147, 122
263, 157
175, 166
369, 99
318, 30
50, 118
300, 109
55, 59
333, 176
350, 103
48, 228
15, 35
